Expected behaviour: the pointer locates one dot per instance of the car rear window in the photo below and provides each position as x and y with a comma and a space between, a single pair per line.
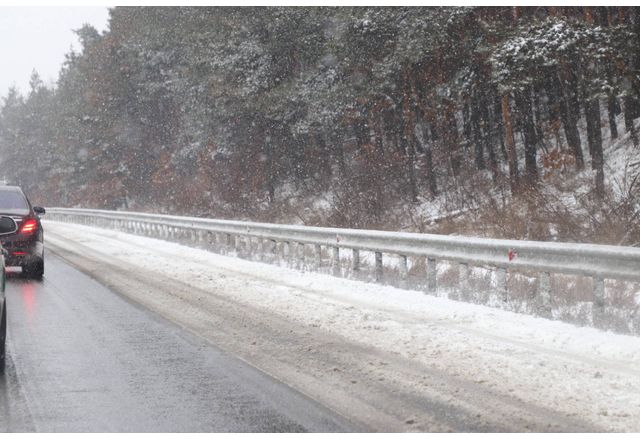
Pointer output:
13, 202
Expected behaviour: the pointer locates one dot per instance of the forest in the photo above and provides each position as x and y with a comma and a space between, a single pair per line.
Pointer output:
492, 121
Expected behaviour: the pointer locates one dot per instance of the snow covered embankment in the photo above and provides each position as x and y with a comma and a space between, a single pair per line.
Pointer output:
511, 371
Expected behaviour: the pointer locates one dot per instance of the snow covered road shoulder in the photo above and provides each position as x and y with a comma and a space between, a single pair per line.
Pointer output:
388, 358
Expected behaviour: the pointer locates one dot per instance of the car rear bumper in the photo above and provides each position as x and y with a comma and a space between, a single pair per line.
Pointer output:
22, 251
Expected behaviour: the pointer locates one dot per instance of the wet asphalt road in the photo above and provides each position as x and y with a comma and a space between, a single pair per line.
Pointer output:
82, 358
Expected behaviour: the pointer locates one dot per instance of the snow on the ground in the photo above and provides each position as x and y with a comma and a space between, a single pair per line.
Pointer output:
581, 370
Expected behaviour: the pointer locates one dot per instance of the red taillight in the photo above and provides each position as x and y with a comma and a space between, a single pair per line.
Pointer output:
29, 226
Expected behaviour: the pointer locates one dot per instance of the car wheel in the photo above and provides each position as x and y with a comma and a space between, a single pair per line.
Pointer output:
3, 337
34, 270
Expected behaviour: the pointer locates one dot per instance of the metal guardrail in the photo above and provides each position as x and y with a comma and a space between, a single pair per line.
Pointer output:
544, 258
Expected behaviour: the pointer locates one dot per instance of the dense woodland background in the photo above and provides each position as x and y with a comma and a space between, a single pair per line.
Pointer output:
497, 121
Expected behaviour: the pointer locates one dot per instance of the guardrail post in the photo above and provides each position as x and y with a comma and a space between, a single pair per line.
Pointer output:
501, 279
599, 291
300, 255
214, 241
463, 280
286, 252
293, 254
228, 244
355, 263
200, 237
248, 247
544, 294
432, 275
318, 255
335, 261
378, 267
404, 271
599, 302
260, 248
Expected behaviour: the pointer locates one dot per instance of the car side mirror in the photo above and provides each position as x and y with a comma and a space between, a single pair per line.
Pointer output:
7, 225
39, 210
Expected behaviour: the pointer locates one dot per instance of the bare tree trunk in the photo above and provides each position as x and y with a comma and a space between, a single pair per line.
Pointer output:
612, 110
594, 136
451, 141
510, 142
424, 139
629, 113
612, 105
408, 125
478, 138
491, 127
523, 103
569, 120
268, 152
497, 111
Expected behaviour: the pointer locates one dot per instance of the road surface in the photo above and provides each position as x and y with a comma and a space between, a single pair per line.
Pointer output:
83, 358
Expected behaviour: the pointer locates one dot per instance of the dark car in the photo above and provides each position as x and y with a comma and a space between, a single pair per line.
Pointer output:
25, 247
3, 319
7, 226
